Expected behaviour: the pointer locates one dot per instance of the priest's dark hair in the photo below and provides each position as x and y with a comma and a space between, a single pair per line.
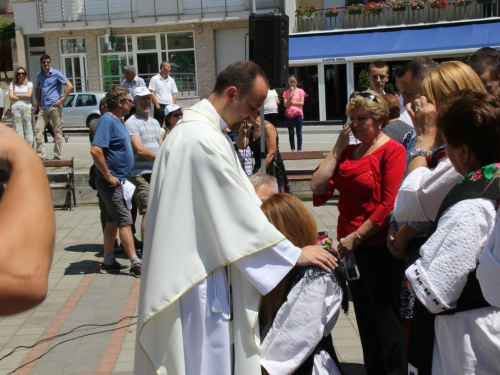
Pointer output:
471, 118
419, 67
241, 74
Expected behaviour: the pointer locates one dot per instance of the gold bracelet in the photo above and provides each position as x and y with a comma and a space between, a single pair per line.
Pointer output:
357, 237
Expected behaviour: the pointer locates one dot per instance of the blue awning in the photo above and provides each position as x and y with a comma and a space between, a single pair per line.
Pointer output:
410, 40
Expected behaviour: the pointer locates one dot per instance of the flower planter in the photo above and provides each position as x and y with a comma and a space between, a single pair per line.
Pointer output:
304, 17
417, 8
331, 15
353, 12
376, 11
486, 1
399, 10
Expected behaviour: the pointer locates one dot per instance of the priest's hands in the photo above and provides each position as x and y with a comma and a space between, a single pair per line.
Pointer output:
317, 256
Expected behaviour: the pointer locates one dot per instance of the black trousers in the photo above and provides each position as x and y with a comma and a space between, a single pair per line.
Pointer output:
272, 118
159, 114
376, 303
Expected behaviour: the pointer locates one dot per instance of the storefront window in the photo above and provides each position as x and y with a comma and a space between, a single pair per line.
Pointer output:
335, 91
146, 42
180, 40
177, 48
71, 46
307, 80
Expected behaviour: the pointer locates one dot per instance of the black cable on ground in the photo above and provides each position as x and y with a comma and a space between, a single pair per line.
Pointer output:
62, 342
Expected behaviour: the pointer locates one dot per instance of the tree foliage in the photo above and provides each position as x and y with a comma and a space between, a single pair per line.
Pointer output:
363, 81
7, 30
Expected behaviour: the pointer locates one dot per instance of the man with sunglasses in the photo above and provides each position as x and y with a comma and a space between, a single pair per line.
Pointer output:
49, 97
146, 140
114, 158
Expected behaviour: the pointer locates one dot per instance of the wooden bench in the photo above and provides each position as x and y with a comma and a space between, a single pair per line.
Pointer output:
306, 174
58, 182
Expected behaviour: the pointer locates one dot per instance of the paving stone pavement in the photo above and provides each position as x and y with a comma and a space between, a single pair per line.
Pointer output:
80, 319
86, 325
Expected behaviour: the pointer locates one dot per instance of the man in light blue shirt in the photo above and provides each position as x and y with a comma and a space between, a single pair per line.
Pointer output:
131, 82
48, 97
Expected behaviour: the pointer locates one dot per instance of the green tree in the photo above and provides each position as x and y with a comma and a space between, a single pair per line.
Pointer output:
363, 81
389, 89
7, 32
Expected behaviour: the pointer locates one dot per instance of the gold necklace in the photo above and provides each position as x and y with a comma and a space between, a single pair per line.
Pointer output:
367, 151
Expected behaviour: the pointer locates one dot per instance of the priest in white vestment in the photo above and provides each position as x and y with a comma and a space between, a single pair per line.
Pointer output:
210, 252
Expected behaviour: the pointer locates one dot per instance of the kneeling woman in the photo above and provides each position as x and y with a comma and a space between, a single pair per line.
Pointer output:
460, 329
297, 316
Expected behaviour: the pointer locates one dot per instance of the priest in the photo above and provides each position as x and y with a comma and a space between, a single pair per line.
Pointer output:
210, 253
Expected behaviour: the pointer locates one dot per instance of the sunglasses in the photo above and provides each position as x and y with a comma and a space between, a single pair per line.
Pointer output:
21, 73
366, 95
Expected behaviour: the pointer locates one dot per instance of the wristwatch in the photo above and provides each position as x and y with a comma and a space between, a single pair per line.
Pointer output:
415, 151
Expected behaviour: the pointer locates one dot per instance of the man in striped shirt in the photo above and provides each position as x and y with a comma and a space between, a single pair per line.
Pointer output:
146, 141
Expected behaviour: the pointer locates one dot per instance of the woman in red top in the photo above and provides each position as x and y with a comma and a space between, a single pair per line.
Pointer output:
368, 176
294, 101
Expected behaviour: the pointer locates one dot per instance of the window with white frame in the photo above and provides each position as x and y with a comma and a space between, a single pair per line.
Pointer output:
114, 58
73, 62
146, 52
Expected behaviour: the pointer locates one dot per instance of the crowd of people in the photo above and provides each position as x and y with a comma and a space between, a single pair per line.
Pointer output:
236, 277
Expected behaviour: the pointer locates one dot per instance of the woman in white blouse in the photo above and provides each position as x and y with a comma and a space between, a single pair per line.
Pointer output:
20, 92
297, 316
460, 327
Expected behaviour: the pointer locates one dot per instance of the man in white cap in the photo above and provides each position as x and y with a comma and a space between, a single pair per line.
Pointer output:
146, 141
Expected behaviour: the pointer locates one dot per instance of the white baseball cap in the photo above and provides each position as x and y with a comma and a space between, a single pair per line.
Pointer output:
141, 91
171, 108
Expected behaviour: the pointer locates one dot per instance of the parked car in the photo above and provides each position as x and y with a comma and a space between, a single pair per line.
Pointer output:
81, 109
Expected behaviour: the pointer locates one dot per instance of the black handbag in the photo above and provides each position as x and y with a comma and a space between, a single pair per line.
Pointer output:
92, 177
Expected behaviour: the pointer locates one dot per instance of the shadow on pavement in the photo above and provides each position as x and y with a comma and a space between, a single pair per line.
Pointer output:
82, 248
82, 268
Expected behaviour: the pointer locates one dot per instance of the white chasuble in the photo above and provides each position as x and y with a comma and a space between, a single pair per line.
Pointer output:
205, 236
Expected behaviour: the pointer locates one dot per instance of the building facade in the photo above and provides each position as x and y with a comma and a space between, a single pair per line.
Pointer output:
91, 41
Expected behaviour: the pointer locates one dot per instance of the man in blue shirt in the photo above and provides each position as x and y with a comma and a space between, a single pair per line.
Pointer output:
114, 158
48, 97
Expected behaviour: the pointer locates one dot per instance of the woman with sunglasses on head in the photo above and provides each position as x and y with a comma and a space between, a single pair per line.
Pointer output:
368, 176
20, 92
173, 113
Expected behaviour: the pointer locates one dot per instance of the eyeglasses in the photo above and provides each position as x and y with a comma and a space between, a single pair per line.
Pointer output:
130, 101
45, 62
21, 73
366, 95
177, 115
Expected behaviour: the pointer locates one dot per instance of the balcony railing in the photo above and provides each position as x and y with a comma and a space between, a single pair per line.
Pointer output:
65, 11
5, 6
186, 83
390, 17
